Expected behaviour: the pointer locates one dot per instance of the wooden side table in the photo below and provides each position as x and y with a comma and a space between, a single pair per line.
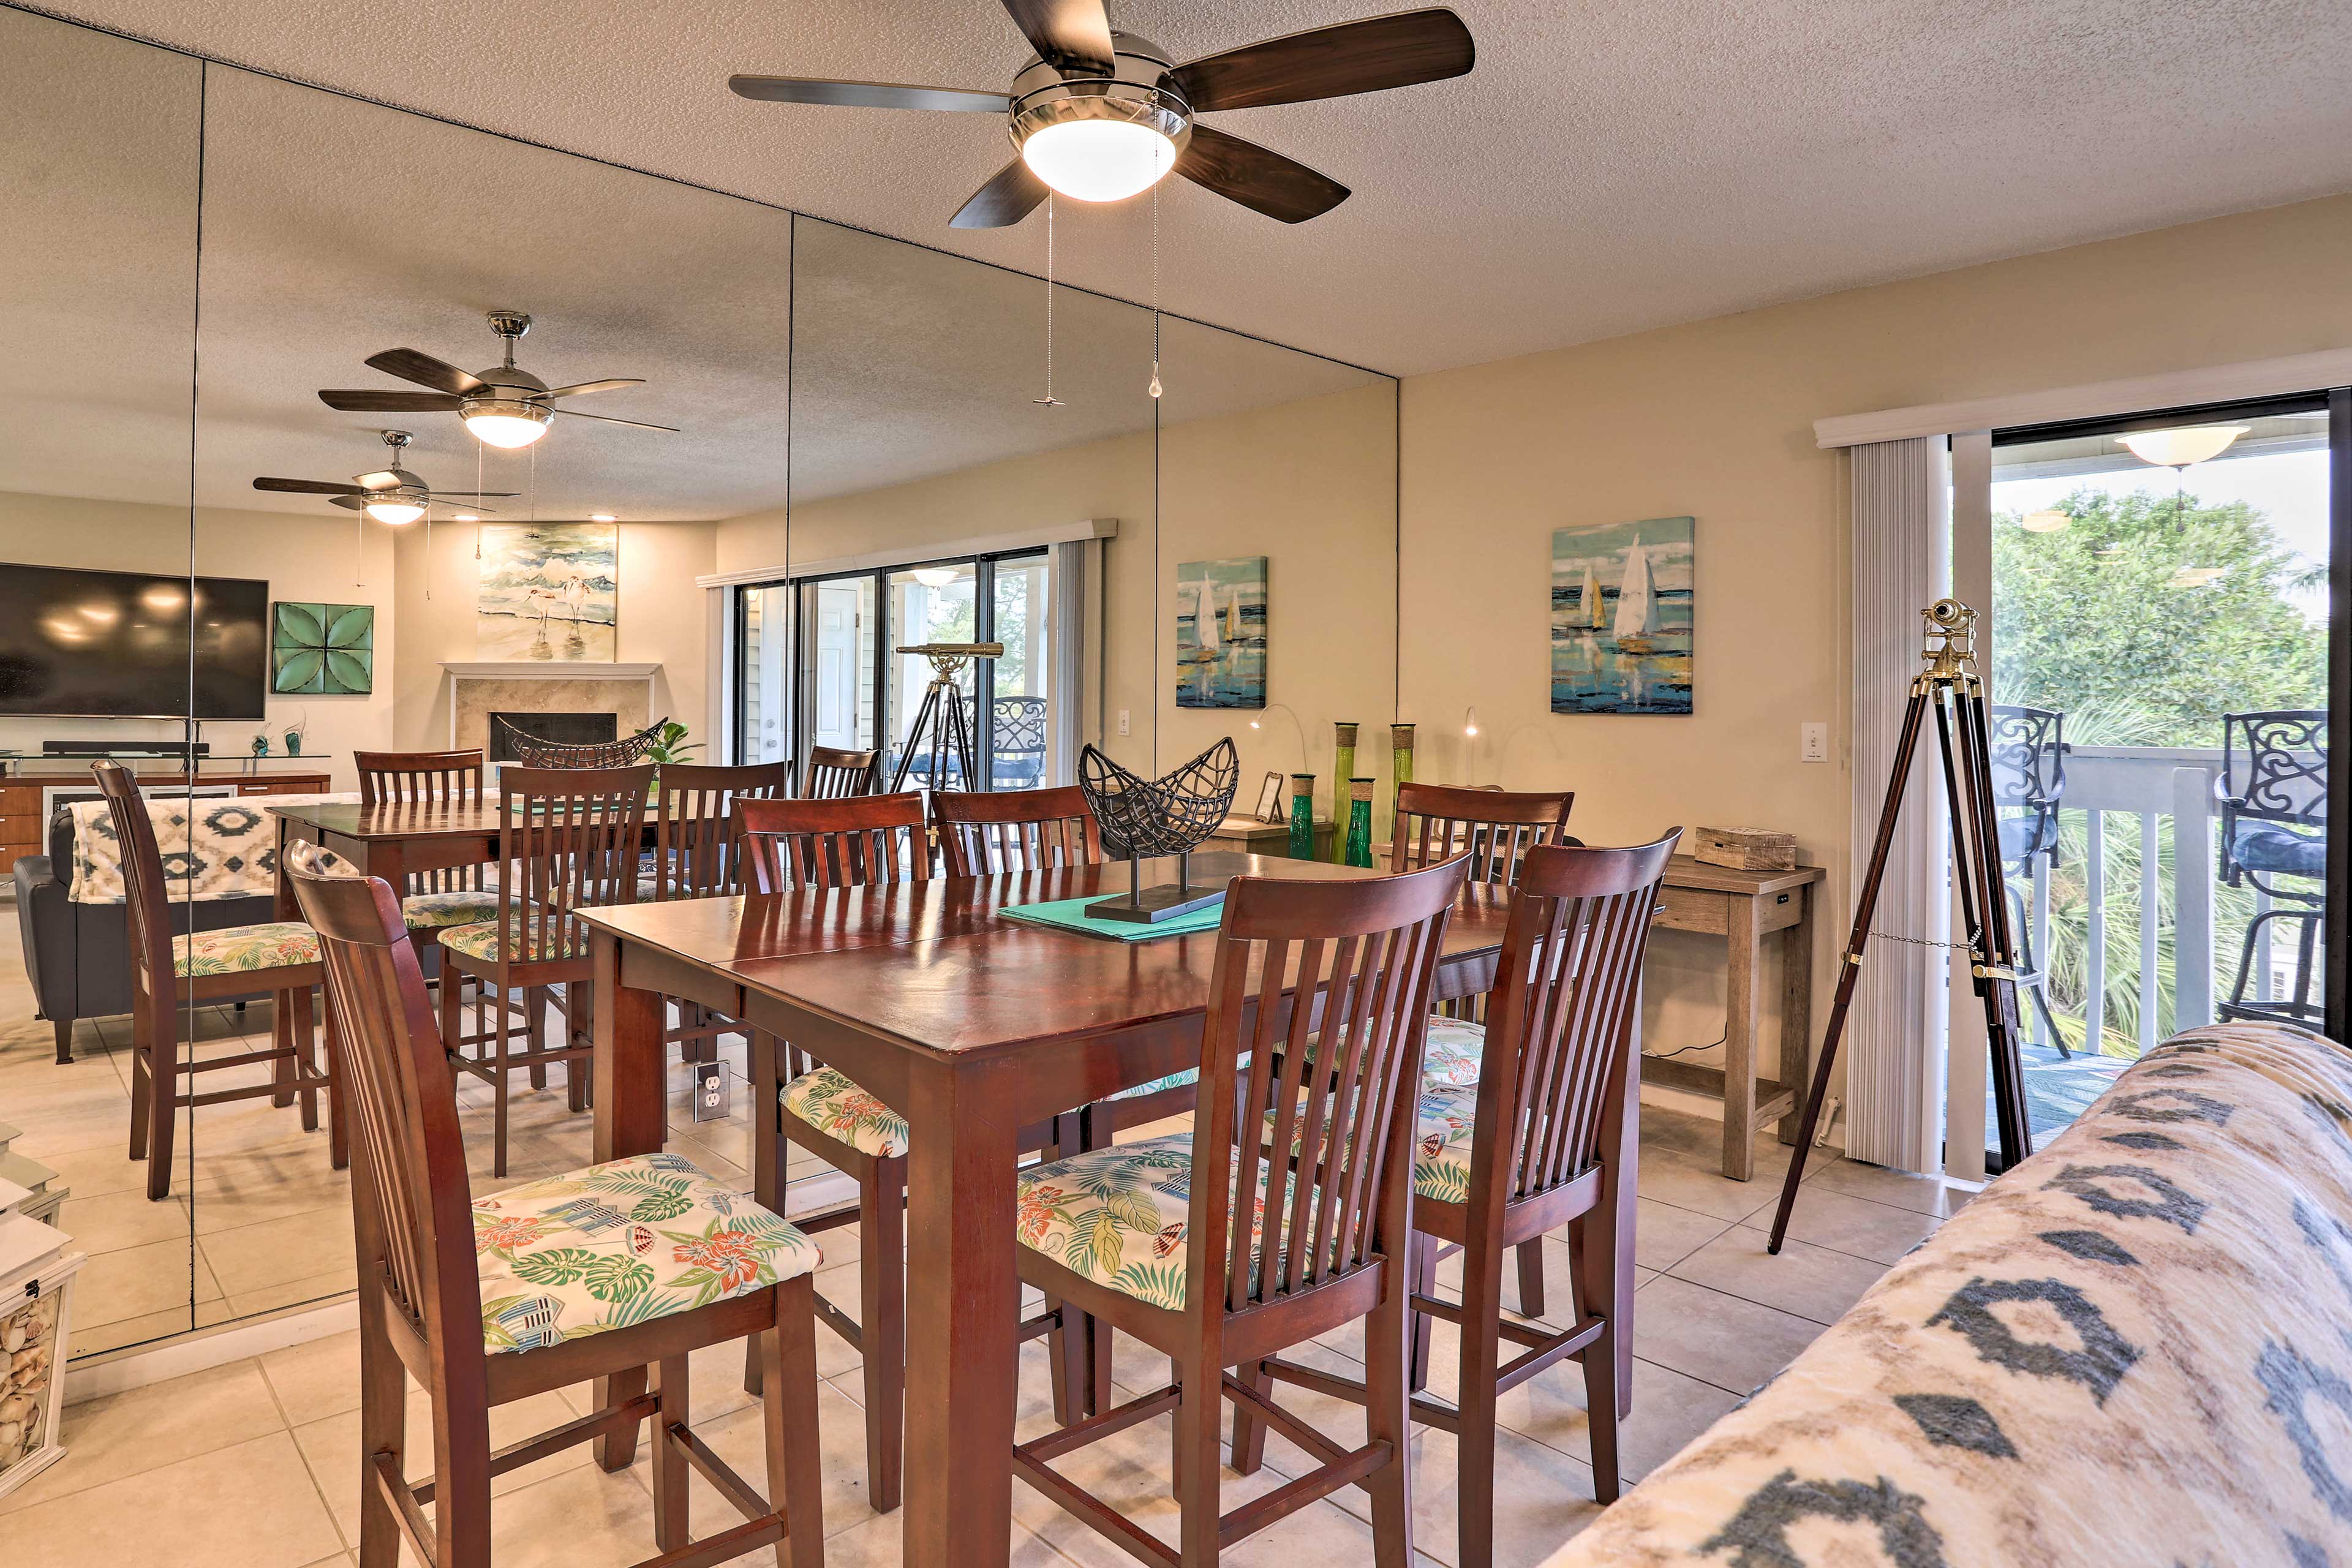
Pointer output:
1249, 836
1744, 907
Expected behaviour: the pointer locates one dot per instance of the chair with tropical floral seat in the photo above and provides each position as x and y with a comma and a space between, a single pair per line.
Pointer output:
695, 856
1534, 1142
818, 846
1223, 1248
1495, 828
568, 840
279, 957
441, 896
597, 1272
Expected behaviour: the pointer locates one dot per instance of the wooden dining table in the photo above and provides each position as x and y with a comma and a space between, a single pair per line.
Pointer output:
972, 1026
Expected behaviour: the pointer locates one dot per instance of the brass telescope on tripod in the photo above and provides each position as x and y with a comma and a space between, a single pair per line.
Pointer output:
1951, 688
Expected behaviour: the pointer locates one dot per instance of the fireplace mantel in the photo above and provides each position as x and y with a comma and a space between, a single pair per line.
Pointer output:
549, 669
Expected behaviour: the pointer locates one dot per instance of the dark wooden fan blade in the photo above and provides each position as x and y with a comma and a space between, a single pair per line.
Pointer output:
493, 495
415, 364
306, 488
1071, 36
577, 387
1011, 195
1371, 56
361, 400
864, 94
1257, 177
608, 419
467, 505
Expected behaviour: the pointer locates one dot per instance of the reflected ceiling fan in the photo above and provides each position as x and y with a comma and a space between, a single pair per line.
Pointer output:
502, 406
1101, 115
391, 495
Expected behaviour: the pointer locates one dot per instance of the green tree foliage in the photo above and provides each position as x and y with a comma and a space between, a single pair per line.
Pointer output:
2145, 620
2116, 612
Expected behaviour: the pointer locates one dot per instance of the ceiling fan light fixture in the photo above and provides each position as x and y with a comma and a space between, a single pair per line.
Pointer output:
506, 423
1100, 160
394, 510
2183, 448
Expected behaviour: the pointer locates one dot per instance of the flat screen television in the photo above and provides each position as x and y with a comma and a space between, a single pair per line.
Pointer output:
116, 644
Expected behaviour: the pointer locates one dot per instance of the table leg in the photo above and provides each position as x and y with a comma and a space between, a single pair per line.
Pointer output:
963, 1298
631, 1117
1797, 1010
1740, 1005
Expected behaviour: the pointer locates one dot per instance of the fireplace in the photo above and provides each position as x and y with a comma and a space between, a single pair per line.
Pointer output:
559, 728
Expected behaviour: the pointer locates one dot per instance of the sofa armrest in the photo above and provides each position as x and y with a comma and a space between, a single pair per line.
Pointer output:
44, 925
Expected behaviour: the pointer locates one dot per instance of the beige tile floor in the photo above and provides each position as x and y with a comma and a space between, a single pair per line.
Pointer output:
257, 1219
256, 1464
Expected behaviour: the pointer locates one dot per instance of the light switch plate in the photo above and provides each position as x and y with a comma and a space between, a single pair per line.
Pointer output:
1813, 741
1122, 721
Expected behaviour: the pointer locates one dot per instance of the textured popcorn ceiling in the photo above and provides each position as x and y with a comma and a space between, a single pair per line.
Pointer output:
1608, 166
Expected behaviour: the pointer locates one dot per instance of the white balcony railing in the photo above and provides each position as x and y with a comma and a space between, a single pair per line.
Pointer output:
2169, 791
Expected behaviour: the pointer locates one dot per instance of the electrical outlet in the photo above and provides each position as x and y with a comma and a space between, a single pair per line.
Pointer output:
1813, 742
1122, 721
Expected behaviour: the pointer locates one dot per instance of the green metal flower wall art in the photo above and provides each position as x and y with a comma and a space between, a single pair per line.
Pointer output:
325, 651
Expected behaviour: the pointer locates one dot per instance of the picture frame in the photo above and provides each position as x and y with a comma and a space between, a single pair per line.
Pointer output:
1270, 801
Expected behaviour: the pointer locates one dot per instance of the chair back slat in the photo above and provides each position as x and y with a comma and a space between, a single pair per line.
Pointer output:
849, 842
147, 902
982, 834
836, 774
425, 779
1495, 827
568, 840
410, 1196
694, 853
1559, 1035
1319, 1007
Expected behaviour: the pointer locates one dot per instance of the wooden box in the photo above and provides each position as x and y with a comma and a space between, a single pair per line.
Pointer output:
1745, 848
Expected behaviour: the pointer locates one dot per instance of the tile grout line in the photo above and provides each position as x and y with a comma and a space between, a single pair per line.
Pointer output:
308, 1470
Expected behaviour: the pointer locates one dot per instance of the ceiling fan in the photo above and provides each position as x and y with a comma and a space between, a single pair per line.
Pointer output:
391, 495
1101, 114
502, 406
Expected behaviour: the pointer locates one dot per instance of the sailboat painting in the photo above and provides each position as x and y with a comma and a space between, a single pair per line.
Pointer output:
1621, 614
1221, 633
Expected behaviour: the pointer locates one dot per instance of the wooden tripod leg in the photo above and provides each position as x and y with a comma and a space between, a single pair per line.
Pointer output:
1865, 907
1999, 991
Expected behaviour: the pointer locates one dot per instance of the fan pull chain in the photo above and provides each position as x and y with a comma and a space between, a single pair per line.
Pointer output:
1155, 388
1049, 400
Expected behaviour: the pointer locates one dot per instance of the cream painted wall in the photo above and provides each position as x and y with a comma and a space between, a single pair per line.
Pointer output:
1310, 484
302, 558
661, 620
1714, 419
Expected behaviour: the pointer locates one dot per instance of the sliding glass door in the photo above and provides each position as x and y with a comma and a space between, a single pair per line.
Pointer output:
840, 680
2161, 674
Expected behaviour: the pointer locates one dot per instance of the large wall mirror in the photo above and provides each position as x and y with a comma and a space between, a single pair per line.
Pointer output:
108, 640
860, 456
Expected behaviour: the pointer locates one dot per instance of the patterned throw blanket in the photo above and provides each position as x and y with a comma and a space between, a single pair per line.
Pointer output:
214, 846
2136, 1348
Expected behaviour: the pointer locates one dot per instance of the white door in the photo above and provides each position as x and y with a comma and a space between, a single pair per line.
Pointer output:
835, 697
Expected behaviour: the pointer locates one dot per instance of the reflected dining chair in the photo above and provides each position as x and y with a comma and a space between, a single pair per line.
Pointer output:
1534, 1143
834, 773
279, 957
630, 1263
694, 857
1283, 1215
421, 782
1495, 828
568, 839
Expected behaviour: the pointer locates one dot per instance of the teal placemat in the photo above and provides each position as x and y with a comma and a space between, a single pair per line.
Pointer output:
1070, 914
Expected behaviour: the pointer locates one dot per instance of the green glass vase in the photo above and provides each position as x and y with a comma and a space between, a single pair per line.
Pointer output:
1360, 823
1343, 770
1302, 816
1400, 752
